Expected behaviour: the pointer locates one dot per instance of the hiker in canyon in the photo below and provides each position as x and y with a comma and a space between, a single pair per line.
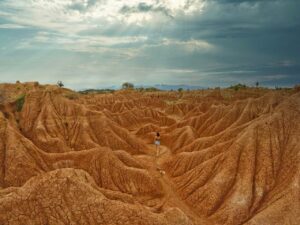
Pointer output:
157, 143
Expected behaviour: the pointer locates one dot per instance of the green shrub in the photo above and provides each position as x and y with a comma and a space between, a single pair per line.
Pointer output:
60, 84
141, 89
127, 85
297, 88
20, 102
238, 87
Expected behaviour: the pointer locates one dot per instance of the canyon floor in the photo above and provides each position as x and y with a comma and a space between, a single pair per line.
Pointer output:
227, 157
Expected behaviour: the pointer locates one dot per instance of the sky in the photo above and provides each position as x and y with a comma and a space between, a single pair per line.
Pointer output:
103, 43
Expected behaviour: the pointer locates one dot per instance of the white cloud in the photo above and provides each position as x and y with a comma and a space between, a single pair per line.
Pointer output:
11, 26
76, 15
65, 20
190, 45
89, 44
180, 71
103, 41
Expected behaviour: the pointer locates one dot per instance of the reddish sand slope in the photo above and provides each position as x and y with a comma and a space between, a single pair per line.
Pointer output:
227, 157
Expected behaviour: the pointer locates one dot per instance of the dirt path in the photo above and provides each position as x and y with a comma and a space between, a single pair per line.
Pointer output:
154, 164
173, 198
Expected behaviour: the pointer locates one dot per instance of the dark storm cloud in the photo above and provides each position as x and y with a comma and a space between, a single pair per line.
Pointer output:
258, 36
224, 19
145, 8
246, 34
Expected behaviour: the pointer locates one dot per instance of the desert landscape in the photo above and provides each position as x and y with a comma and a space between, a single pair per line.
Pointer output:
149, 112
226, 156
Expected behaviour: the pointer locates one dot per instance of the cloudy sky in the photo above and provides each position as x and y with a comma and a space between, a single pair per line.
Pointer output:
101, 43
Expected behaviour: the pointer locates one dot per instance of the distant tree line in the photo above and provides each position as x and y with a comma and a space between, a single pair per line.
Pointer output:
238, 86
96, 91
130, 86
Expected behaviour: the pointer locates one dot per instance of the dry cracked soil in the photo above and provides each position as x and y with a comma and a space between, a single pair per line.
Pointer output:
226, 157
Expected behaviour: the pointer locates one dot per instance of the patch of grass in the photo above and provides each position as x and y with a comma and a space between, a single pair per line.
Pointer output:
20, 102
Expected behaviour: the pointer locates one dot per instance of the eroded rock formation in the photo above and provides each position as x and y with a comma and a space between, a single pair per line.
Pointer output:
228, 159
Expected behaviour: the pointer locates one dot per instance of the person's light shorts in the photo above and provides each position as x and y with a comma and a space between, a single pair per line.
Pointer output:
157, 142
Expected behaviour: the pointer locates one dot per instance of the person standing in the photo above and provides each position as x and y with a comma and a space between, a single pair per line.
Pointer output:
157, 143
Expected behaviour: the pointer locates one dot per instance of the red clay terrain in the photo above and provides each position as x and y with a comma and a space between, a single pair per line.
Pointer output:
226, 157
